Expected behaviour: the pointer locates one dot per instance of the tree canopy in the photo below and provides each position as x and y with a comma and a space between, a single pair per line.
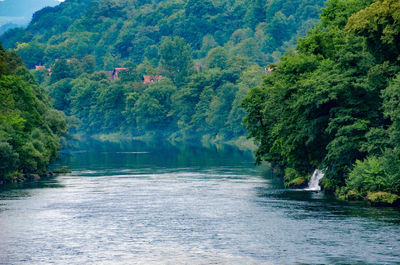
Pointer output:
30, 129
203, 56
332, 104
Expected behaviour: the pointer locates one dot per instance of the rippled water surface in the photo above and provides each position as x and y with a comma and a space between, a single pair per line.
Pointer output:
135, 203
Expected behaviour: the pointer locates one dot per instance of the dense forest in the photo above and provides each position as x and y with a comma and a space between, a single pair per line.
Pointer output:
334, 103
201, 58
31, 131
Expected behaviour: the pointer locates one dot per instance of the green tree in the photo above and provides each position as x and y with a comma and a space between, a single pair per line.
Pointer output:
31, 53
334, 101
88, 64
176, 59
60, 70
30, 130
217, 57
8, 159
152, 109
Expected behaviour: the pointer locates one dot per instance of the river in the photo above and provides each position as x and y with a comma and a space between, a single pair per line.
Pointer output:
137, 203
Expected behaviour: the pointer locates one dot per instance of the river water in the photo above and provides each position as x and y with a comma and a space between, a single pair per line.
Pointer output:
136, 203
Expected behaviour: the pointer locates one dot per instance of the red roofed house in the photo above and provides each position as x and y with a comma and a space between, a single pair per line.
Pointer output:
148, 79
42, 68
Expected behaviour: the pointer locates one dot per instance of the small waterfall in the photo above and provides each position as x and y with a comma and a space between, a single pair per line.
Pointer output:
313, 184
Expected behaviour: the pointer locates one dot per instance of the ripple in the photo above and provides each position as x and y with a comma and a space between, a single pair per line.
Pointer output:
113, 211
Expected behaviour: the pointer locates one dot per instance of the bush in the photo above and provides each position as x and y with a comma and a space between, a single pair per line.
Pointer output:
383, 198
349, 195
297, 183
367, 175
293, 179
8, 160
376, 174
329, 184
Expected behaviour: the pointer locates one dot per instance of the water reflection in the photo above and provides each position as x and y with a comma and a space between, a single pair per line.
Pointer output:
17, 190
95, 155
142, 203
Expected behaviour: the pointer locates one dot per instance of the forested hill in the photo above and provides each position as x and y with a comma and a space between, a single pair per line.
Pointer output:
117, 31
182, 67
334, 104
30, 129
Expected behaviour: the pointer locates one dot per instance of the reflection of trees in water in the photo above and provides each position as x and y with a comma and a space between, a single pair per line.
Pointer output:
16, 191
92, 154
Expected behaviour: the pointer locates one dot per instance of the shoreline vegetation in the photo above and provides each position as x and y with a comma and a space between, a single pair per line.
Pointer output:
334, 102
24, 177
31, 131
330, 101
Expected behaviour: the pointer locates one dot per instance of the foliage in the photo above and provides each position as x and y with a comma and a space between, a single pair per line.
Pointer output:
377, 174
334, 103
176, 59
331, 102
293, 179
209, 54
383, 198
30, 130
114, 32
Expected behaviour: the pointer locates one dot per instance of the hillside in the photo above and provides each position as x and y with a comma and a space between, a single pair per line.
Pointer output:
199, 59
132, 30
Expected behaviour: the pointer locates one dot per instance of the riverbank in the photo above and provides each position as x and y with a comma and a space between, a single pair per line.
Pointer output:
19, 178
378, 198
374, 198
24, 177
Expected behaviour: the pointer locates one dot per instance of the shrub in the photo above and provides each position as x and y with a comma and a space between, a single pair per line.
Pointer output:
376, 174
8, 160
383, 198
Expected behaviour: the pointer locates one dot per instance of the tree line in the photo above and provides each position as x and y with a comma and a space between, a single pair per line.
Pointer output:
333, 103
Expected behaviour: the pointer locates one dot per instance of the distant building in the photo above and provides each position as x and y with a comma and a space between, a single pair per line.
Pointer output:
42, 68
148, 79
114, 75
